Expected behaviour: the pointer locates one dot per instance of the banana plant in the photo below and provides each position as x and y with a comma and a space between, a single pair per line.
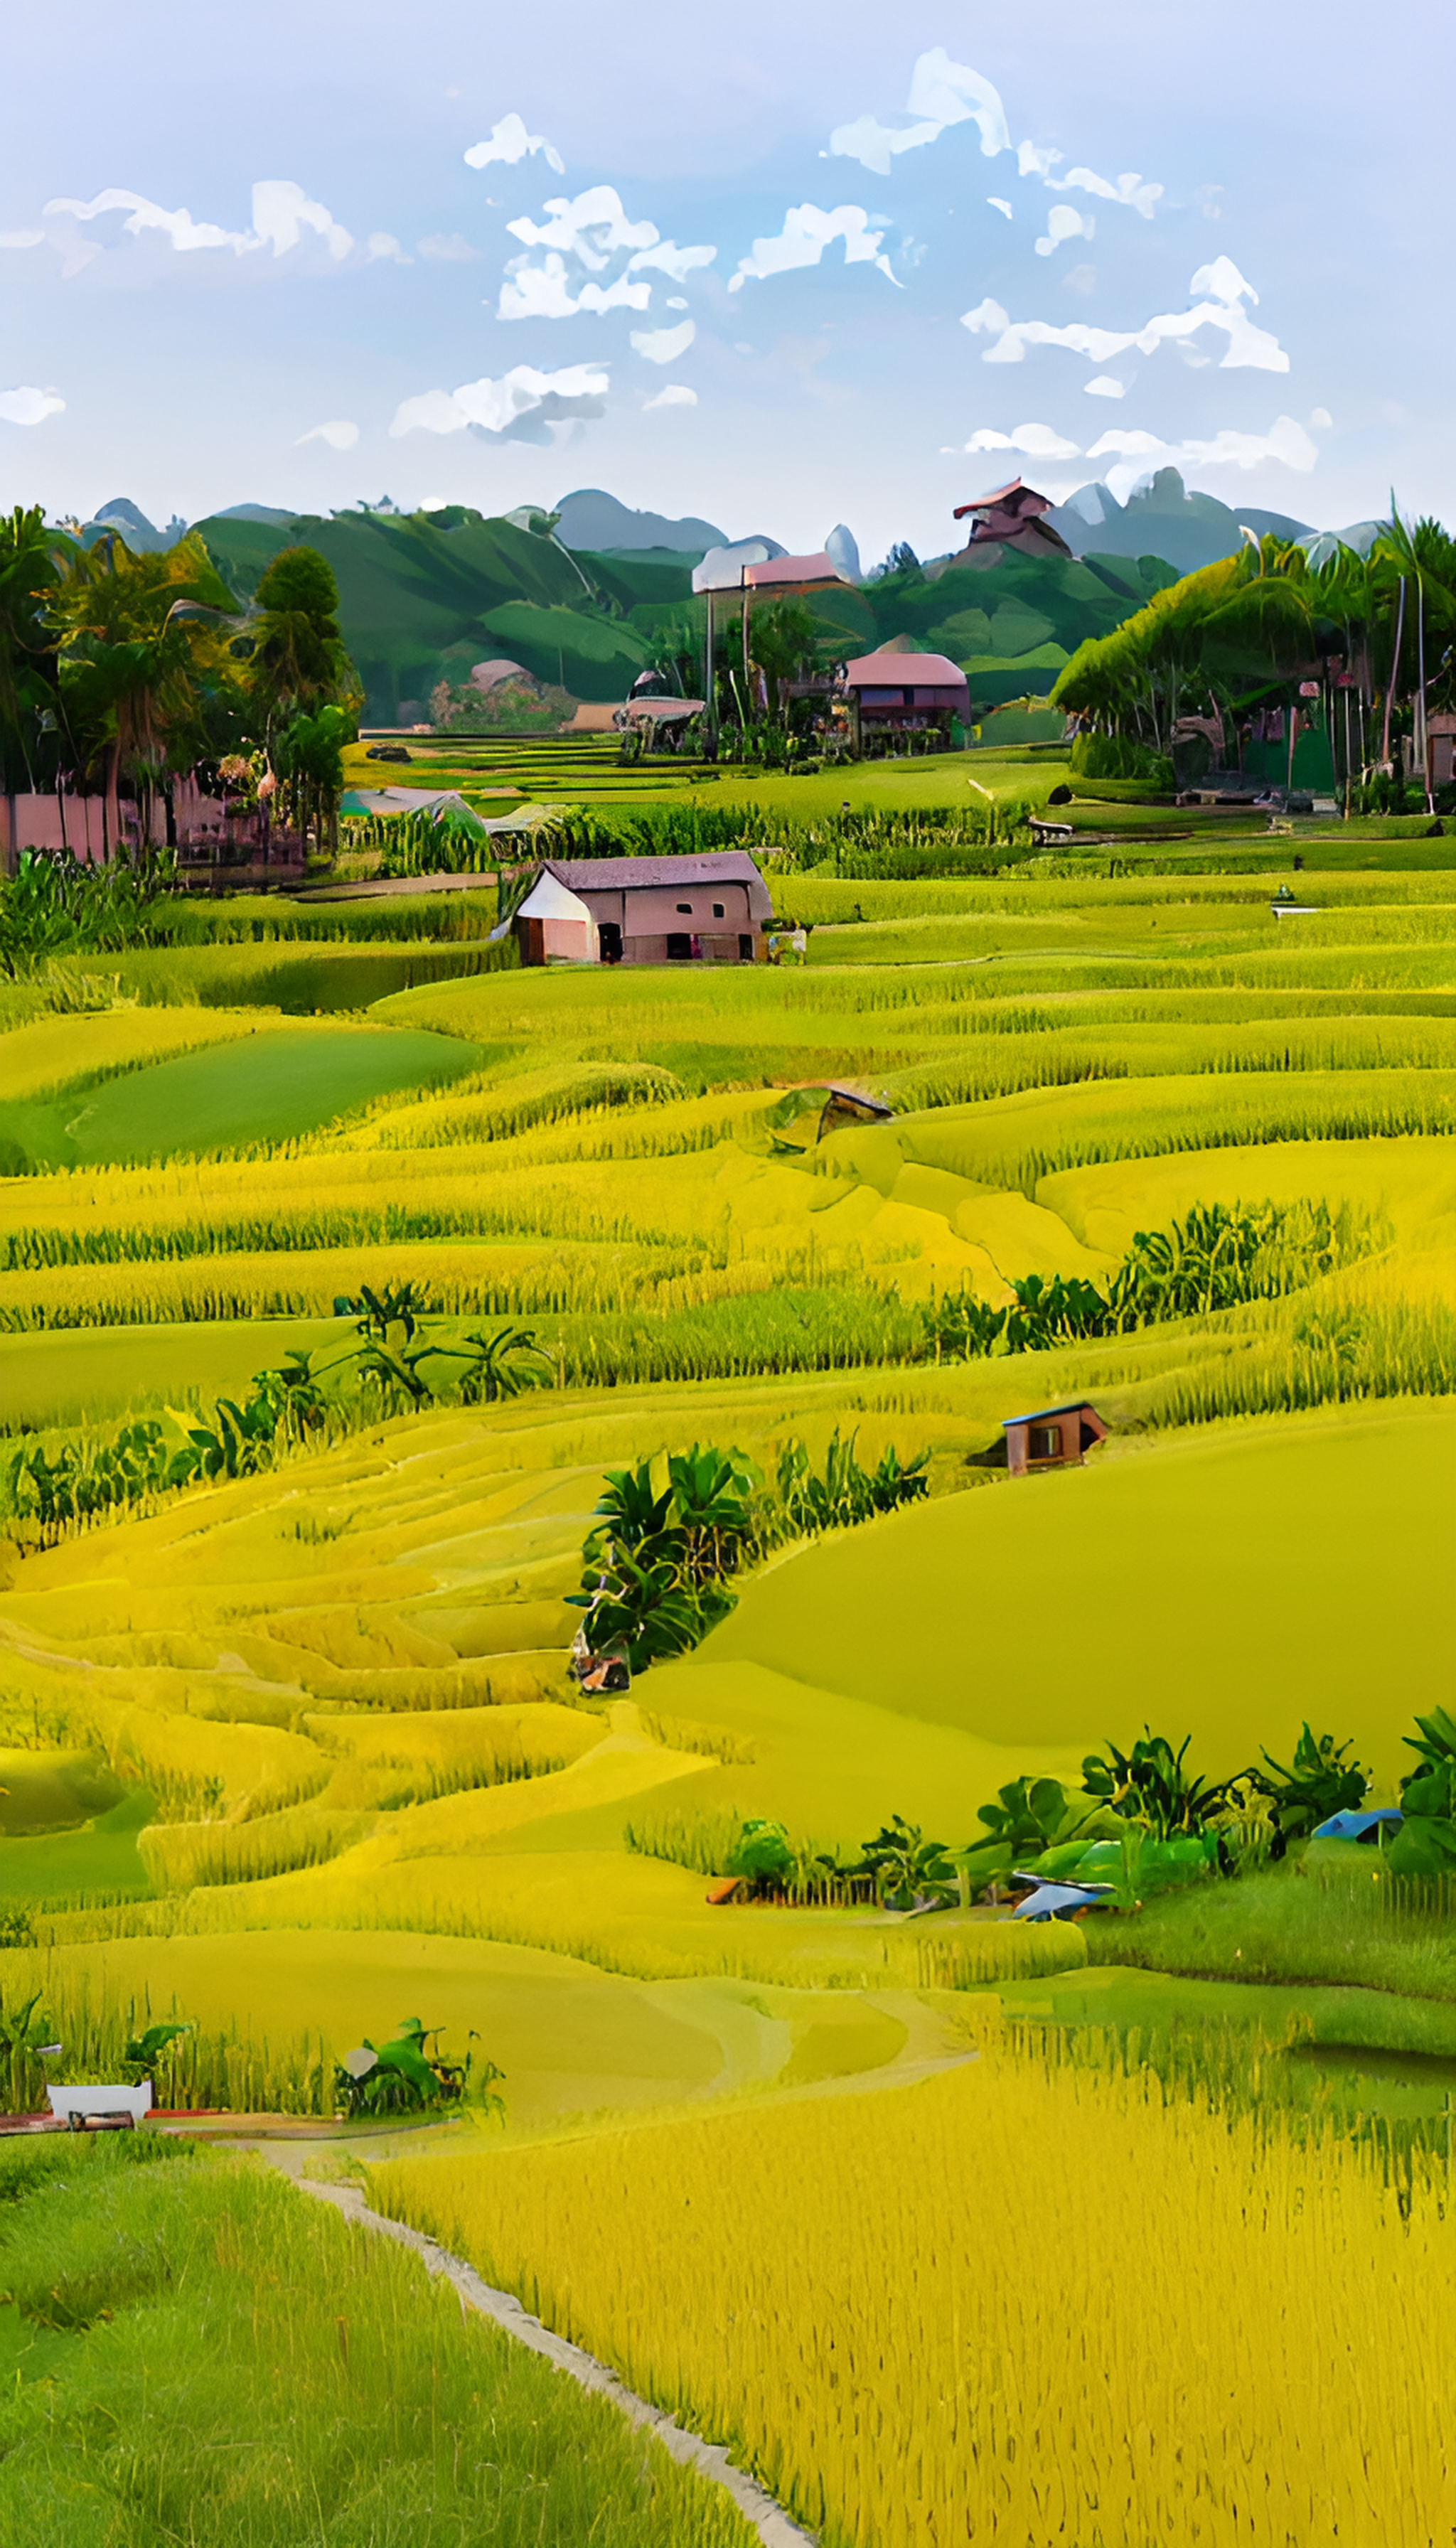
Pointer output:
410, 2075
143, 2052
1150, 1784
911, 1873
1318, 1781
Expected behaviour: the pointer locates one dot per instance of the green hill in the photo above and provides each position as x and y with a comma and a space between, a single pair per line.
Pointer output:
424, 596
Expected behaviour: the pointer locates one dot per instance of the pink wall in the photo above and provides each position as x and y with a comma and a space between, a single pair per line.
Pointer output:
652, 911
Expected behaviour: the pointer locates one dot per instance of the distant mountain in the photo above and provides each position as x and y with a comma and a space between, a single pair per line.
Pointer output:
253, 513
143, 537
593, 519
1162, 519
843, 552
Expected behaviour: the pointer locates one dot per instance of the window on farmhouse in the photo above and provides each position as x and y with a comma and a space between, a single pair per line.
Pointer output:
1045, 1441
719, 912
685, 906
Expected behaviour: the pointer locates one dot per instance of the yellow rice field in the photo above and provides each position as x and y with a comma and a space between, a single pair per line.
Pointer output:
1006, 2304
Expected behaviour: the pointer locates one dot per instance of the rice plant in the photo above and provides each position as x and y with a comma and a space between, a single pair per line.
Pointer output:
910, 2354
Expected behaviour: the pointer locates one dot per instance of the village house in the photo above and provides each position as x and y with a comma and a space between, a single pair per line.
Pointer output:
1054, 1437
712, 909
892, 693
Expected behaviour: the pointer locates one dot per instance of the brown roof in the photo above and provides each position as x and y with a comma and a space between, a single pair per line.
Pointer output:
712, 867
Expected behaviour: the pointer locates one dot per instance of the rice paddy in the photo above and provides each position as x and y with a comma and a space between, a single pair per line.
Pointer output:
290, 1750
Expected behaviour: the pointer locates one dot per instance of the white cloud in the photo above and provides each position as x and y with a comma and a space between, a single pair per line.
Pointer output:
21, 238
1248, 348
1038, 441
1104, 386
999, 204
668, 258
339, 435
1130, 189
1031, 161
805, 235
874, 145
1137, 453
590, 227
953, 94
544, 292
509, 141
1223, 279
663, 344
1320, 418
432, 411
519, 407
30, 406
383, 243
444, 247
673, 302
620, 294
673, 395
282, 212
1064, 224
941, 93
185, 233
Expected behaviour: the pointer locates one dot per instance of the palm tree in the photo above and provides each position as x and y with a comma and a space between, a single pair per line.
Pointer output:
30, 688
135, 635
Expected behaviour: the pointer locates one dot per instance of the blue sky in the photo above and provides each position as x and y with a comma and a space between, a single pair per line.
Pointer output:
783, 266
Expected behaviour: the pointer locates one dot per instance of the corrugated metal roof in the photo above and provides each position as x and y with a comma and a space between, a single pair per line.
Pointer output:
1064, 1406
905, 672
617, 876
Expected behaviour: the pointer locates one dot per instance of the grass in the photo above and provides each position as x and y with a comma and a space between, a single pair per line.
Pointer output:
199, 2353
227, 1097
1338, 1920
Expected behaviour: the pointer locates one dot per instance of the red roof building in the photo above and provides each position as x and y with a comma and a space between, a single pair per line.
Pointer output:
892, 693
1010, 517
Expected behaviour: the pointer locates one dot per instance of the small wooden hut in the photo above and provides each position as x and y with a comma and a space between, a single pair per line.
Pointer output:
1054, 1437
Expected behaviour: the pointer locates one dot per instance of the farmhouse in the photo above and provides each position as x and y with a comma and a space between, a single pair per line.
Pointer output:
1054, 1437
893, 694
710, 910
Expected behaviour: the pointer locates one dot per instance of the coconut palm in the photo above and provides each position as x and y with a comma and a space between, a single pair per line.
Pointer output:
135, 635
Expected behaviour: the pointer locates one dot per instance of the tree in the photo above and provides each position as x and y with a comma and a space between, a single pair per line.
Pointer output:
299, 662
782, 640
137, 638
30, 682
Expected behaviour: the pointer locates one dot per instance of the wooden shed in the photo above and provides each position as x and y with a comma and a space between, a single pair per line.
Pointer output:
1054, 1437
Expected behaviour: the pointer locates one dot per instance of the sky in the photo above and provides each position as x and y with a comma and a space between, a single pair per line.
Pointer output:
778, 266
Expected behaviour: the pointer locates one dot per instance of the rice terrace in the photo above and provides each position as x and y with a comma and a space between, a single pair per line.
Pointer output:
727, 1357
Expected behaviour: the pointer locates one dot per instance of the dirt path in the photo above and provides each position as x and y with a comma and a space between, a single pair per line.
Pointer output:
924, 2056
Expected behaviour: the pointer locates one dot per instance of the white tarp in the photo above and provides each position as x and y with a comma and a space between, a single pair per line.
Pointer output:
550, 899
415, 800
721, 571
